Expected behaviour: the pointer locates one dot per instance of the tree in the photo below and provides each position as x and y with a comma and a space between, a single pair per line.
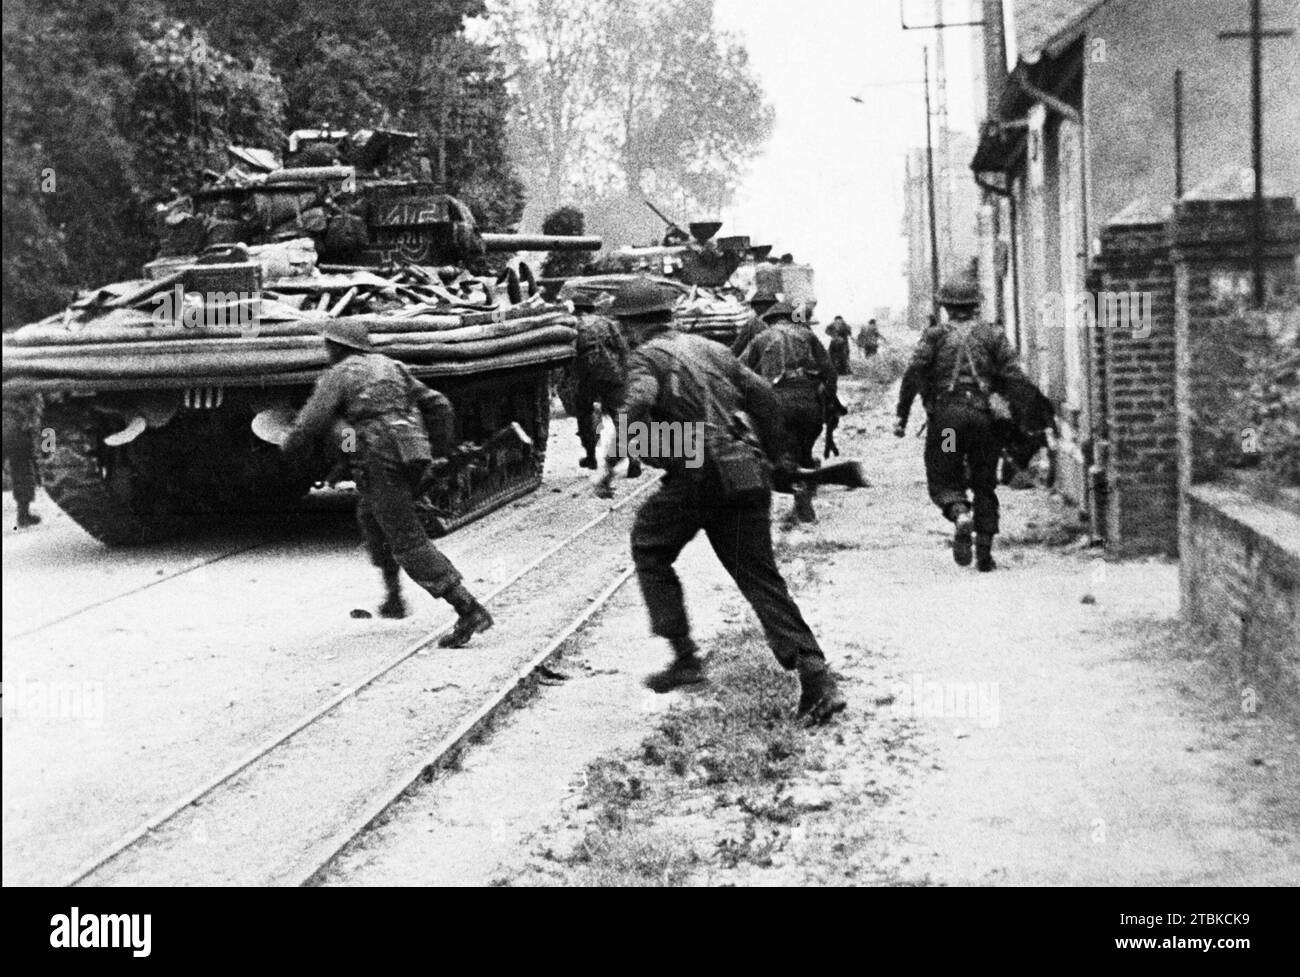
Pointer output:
402, 64
551, 47
625, 98
70, 215
564, 264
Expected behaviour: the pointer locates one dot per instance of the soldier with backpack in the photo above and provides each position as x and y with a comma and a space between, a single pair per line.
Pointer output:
676, 378
789, 356
962, 369
599, 373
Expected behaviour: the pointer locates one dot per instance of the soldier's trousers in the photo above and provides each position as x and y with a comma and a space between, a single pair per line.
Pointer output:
801, 409
838, 350
741, 536
393, 531
961, 453
18, 451
589, 389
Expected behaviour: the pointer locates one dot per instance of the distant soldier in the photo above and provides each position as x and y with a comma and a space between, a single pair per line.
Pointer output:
689, 380
789, 356
396, 427
760, 303
600, 374
840, 332
957, 368
21, 418
869, 339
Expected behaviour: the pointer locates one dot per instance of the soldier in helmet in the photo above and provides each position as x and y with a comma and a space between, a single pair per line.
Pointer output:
393, 427
761, 302
956, 368
600, 372
869, 339
688, 380
789, 356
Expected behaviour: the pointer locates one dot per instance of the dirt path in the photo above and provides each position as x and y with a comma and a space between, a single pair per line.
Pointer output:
1045, 724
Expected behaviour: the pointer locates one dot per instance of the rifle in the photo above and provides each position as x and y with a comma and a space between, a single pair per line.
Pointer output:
849, 474
834, 411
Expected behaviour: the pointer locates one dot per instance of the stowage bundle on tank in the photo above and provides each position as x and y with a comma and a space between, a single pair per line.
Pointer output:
151, 388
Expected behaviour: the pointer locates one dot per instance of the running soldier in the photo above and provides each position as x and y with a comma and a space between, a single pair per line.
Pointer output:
600, 374
958, 368
393, 427
869, 339
689, 380
760, 303
789, 356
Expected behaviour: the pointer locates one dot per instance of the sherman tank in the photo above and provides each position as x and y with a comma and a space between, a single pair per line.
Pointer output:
714, 274
152, 390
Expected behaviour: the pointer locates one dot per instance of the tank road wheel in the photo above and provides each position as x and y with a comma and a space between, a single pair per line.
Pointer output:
109, 492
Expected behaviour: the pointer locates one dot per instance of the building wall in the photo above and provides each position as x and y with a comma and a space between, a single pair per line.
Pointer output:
1131, 50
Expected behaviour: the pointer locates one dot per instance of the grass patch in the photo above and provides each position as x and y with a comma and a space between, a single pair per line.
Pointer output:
886, 367
737, 740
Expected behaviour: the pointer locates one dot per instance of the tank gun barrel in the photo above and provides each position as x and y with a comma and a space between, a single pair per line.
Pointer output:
541, 242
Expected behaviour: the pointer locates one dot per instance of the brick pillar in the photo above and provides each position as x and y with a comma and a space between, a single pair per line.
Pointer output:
1216, 319
1133, 389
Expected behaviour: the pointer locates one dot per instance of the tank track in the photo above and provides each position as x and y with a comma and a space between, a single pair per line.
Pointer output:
109, 501
478, 493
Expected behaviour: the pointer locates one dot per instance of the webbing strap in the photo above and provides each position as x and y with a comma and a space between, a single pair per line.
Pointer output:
964, 356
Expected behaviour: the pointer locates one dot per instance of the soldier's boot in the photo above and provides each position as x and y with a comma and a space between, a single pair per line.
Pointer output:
473, 618
984, 561
687, 668
961, 536
803, 505
819, 693
588, 460
633, 468
394, 605
26, 517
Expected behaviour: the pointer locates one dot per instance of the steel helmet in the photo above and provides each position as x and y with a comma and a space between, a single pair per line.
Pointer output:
959, 292
347, 333
642, 297
779, 310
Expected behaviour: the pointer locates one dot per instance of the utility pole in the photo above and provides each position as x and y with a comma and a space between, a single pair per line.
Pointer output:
1256, 35
1178, 133
945, 141
939, 26
929, 178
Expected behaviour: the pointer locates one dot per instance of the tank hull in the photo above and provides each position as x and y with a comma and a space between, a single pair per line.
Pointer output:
191, 454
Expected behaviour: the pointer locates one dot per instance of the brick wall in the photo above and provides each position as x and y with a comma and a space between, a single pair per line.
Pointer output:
1133, 395
1240, 576
1218, 324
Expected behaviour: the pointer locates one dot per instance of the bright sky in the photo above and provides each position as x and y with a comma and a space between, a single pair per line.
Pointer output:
829, 188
